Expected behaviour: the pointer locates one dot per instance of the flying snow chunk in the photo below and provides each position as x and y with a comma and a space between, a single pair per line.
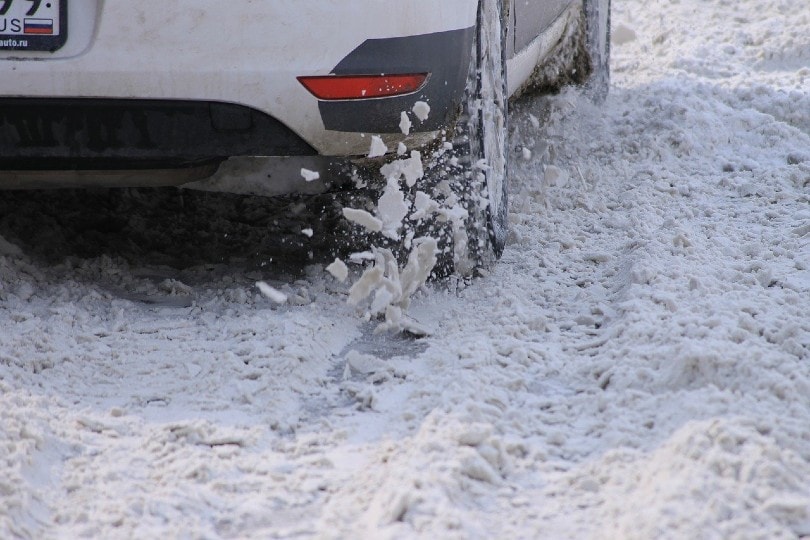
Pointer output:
310, 176
392, 209
364, 219
371, 279
402, 149
405, 123
382, 299
378, 147
421, 110
424, 206
339, 270
363, 256
273, 294
308, 232
421, 262
411, 168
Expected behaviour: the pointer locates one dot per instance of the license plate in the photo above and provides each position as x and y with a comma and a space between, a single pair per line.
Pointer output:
33, 25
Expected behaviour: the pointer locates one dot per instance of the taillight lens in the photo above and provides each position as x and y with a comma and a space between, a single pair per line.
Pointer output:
338, 87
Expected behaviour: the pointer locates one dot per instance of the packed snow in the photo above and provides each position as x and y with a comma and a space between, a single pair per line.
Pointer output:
637, 366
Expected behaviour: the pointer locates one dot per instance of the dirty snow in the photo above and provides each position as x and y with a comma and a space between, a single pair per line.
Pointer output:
637, 366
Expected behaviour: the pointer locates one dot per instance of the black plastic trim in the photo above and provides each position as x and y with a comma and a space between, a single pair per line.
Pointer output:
93, 133
445, 55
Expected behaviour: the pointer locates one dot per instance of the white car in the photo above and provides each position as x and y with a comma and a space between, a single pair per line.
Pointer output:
124, 93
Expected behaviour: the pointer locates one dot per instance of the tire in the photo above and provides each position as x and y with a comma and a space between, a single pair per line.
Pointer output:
481, 181
596, 14
469, 181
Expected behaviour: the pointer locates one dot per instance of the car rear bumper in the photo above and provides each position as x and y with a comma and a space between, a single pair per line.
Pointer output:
250, 54
70, 133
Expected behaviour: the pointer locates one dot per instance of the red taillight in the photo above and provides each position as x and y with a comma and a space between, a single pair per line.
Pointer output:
335, 87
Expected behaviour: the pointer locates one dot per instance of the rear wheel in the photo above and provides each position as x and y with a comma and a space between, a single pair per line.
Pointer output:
596, 14
480, 181
461, 201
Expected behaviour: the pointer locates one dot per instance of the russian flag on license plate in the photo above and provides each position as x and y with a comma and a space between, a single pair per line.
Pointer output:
38, 26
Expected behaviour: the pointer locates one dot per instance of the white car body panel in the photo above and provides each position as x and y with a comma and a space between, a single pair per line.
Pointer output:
523, 64
154, 49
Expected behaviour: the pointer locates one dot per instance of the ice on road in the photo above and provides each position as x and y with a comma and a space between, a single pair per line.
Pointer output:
636, 367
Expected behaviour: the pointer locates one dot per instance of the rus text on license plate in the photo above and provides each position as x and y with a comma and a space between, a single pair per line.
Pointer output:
33, 25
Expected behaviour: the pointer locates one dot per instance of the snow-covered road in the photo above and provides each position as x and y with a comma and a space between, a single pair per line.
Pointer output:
637, 366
